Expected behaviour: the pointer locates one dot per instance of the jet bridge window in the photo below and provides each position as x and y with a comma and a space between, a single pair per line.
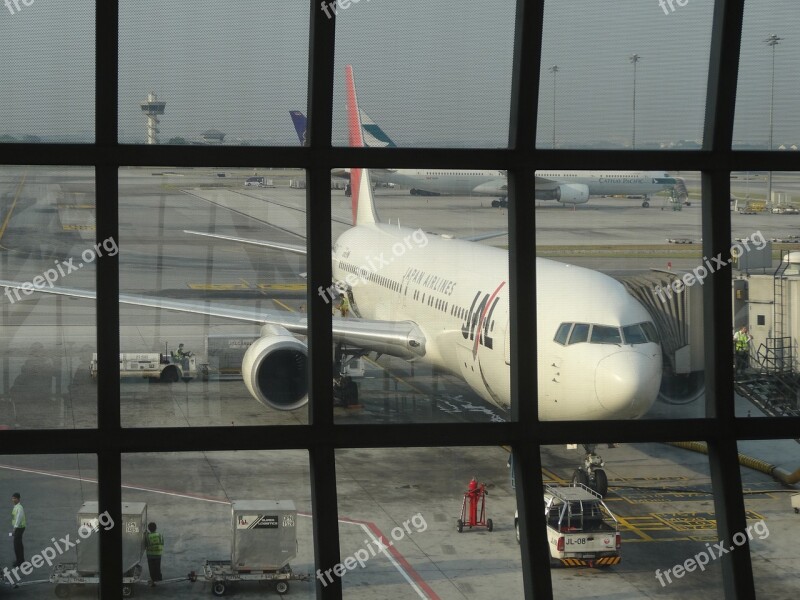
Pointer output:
580, 333
602, 334
563, 333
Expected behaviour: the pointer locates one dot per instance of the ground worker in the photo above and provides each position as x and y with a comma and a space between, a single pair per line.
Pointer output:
344, 305
181, 357
18, 522
741, 342
155, 548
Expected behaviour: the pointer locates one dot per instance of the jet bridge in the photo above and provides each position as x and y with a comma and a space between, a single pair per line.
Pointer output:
678, 317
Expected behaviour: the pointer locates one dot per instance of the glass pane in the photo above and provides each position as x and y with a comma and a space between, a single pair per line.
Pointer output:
47, 231
55, 523
767, 115
199, 284
196, 74
440, 77
47, 87
618, 79
425, 331
233, 518
772, 503
656, 497
399, 532
620, 254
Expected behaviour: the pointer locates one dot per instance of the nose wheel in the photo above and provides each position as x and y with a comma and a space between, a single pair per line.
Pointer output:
591, 474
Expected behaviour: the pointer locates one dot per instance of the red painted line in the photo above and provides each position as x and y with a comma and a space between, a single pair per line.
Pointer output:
370, 525
483, 316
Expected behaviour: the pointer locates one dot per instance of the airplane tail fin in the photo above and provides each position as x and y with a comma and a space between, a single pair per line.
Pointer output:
374, 136
299, 120
360, 184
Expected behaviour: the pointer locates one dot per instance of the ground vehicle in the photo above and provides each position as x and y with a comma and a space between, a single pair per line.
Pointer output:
581, 530
255, 182
151, 365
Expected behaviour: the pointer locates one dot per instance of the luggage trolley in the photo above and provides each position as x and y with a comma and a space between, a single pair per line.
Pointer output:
221, 574
263, 541
69, 578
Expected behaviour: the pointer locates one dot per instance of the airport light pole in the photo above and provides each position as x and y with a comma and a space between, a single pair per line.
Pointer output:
554, 70
634, 58
772, 41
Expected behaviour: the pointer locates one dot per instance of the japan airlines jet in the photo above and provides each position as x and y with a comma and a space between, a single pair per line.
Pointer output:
446, 302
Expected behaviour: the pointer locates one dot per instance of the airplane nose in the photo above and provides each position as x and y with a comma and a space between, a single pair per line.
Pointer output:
627, 383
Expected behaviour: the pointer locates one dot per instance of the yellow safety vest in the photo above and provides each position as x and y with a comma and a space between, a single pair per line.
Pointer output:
155, 544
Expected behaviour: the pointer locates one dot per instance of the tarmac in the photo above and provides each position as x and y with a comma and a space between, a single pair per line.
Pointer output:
661, 494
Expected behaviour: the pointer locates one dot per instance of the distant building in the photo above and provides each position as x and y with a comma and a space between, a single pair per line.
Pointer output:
213, 136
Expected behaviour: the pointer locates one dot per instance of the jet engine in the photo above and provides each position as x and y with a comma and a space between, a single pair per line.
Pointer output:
566, 193
275, 369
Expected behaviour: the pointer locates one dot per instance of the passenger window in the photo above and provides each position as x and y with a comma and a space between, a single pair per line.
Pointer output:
563, 333
580, 333
602, 334
634, 334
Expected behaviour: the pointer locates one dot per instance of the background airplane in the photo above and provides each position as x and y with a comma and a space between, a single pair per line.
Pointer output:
568, 187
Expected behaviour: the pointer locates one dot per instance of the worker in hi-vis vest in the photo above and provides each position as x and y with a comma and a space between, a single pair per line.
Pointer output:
18, 522
155, 548
741, 345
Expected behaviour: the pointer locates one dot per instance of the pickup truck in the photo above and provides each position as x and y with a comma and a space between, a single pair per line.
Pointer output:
581, 530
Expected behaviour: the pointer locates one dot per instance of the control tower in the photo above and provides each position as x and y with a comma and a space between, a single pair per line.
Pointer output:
152, 108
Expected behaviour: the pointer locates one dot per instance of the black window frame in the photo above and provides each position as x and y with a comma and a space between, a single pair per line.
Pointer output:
525, 434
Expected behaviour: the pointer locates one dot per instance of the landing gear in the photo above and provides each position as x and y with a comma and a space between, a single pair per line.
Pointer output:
500, 203
646, 203
591, 474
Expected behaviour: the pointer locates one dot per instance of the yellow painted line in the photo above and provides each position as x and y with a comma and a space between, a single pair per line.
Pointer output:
78, 227
627, 524
281, 286
13, 204
279, 303
553, 476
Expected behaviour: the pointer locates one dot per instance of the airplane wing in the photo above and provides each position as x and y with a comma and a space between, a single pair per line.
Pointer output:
293, 248
402, 339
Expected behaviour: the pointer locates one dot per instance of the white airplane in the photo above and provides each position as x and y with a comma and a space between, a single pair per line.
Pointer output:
568, 187
446, 302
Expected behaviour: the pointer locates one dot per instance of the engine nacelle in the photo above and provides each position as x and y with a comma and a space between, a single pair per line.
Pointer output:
567, 193
275, 370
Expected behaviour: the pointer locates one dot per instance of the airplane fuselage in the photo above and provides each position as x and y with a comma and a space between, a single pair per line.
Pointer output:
609, 183
457, 293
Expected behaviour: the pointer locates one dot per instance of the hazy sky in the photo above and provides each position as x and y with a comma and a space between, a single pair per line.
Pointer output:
429, 72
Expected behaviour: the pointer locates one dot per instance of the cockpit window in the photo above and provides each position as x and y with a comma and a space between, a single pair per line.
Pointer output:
580, 333
602, 334
562, 333
651, 331
634, 334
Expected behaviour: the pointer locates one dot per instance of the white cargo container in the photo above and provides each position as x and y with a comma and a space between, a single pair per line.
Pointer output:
134, 526
264, 534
